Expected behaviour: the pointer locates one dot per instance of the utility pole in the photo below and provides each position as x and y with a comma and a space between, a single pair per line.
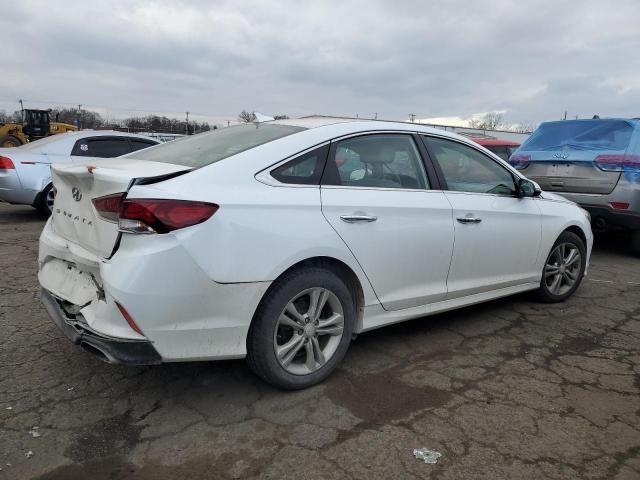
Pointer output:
565, 115
412, 116
375, 116
186, 127
79, 119
21, 110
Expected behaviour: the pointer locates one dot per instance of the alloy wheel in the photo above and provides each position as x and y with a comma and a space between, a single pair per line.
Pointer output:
308, 331
50, 199
562, 269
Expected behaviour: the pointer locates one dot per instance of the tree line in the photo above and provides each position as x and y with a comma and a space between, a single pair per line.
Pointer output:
93, 120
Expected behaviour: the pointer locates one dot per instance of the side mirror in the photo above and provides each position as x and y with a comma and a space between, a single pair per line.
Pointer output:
527, 188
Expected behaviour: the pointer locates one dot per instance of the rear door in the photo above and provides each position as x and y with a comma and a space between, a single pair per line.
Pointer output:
572, 156
377, 196
497, 235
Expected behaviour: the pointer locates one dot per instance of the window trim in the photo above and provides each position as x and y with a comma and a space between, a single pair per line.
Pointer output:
426, 140
411, 134
76, 146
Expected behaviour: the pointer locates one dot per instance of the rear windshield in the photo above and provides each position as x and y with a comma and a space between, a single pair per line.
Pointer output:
581, 135
206, 148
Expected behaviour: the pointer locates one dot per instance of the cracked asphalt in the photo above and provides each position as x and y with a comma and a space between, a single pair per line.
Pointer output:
512, 389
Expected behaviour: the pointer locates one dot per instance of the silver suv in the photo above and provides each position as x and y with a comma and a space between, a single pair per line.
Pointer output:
595, 163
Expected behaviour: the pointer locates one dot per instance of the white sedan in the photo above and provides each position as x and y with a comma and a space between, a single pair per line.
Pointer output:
280, 241
25, 176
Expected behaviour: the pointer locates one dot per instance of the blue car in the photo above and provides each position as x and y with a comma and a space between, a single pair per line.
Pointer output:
595, 163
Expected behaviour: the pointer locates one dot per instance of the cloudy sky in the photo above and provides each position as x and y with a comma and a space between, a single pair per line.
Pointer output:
533, 60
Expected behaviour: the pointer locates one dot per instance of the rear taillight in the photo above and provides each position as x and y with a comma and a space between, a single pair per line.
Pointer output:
150, 215
6, 163
618, 163
619, 205
108, 207
162, 216
519, 161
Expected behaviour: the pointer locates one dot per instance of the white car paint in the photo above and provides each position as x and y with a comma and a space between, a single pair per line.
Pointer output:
33, 161
193, 292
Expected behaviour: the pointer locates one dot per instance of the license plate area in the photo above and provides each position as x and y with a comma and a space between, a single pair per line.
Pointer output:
64, 280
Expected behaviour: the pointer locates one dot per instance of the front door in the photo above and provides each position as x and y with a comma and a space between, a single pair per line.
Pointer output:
497, 234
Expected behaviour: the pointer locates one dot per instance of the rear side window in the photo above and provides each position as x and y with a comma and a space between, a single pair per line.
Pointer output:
101, 147
206, 148
137, 144
581, 135
376, 161
304, 170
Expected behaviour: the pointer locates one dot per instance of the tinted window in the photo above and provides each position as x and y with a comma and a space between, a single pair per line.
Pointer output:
377, 161
581, 135
205, 148
102, 147
304, 170
137, 144
467, 170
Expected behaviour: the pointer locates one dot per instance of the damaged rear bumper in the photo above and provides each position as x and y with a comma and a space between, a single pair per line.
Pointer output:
108, 349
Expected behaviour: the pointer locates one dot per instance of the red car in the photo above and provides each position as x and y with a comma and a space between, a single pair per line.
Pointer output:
502, 148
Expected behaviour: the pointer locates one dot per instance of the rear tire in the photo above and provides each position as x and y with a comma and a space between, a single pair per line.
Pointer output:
563, 270
635, 242
302, 329
9, 141
45, 201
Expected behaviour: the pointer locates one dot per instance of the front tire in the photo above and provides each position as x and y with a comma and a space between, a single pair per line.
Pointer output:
564, 269
302, 329
9, 141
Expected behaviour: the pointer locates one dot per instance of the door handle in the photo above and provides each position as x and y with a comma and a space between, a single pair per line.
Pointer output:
358, 218
469, 220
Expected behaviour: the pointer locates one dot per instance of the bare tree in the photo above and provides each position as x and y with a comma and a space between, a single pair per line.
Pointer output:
281, 117
524, 127
489, 121
246, 117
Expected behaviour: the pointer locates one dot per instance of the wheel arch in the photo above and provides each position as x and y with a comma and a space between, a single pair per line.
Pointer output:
577, 231
338, 267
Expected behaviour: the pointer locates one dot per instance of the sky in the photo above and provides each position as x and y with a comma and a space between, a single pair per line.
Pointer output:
446, 60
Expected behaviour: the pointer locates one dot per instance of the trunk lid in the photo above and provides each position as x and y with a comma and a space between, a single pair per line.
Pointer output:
74, 216
563, 155
570, 171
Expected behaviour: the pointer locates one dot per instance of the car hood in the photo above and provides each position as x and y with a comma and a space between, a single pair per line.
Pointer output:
555, 197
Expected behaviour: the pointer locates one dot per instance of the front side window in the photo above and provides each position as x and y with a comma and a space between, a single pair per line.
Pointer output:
467, 170
102, 147
376, 161
304, 170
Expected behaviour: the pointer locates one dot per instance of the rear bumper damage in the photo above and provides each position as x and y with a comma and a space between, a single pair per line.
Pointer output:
108, 349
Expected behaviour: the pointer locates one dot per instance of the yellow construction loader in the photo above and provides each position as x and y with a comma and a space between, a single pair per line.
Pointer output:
35, 124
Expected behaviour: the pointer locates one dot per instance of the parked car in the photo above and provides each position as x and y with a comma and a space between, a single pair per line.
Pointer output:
595, 163
502, 148
25, 176
280, 241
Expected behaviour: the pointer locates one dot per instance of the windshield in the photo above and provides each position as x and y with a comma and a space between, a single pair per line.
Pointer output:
205, 148
581, 135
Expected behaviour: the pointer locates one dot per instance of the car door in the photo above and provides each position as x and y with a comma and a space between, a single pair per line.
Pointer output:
497, 234
101, 147
376, 195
